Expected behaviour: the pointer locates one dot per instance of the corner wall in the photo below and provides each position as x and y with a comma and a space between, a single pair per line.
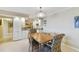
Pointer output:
64, 23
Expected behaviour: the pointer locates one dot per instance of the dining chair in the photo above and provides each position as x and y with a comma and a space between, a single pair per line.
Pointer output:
55, 44
33, 45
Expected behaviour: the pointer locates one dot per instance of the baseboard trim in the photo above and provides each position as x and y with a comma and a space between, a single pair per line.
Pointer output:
72, 47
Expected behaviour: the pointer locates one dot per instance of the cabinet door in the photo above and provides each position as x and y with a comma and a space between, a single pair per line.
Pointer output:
17, 32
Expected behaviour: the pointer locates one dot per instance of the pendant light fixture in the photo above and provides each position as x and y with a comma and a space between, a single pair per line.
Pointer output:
41, 14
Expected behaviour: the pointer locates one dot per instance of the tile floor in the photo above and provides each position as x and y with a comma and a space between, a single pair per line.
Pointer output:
15, 46
22, 46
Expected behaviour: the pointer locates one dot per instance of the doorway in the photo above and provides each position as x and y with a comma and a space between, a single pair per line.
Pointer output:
6, 29
1, 34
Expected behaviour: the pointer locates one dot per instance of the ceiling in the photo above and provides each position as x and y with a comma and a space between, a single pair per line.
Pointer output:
31, 10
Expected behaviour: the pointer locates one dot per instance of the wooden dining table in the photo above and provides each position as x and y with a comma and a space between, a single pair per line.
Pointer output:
41, 37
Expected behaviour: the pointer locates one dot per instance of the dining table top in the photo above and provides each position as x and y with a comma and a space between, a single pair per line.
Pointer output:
41, 37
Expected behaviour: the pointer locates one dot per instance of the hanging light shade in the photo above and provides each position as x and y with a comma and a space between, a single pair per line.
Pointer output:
41, 14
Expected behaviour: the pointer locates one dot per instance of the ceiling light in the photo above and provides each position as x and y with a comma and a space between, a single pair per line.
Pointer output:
41, 14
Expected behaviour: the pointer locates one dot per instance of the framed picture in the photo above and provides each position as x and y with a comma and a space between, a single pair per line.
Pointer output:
76, 24
28, 24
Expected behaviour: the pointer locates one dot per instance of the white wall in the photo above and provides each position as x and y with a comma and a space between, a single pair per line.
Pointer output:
64, 23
